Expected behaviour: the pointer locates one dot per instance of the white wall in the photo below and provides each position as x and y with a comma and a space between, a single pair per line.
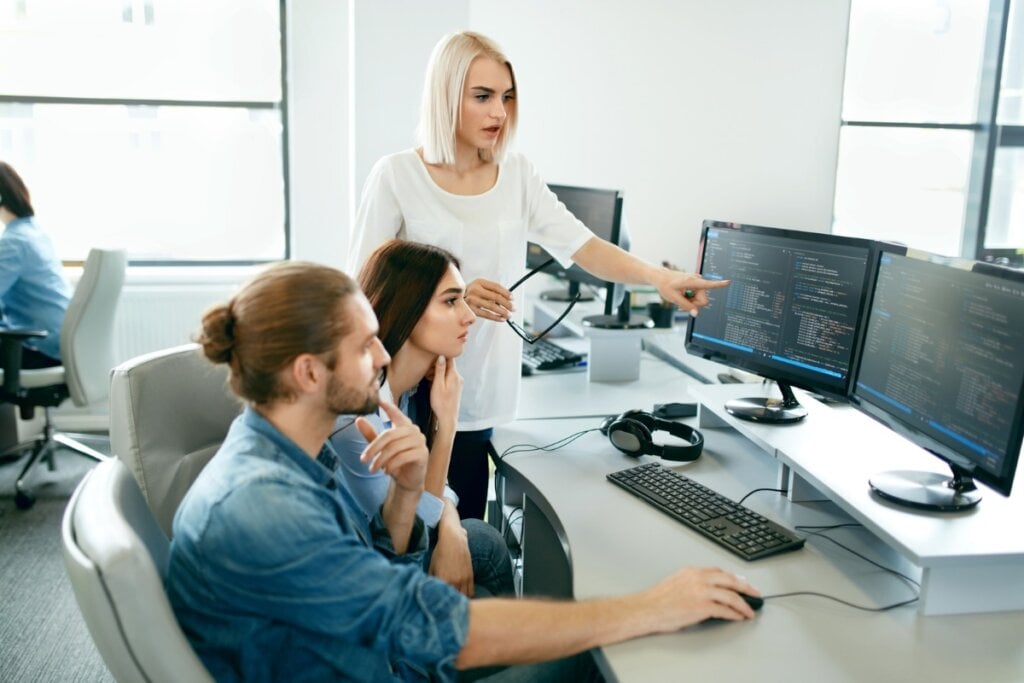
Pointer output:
318, 134
393, 40
697, 109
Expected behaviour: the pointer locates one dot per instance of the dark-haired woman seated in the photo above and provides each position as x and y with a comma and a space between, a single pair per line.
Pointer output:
417, 293
33, 292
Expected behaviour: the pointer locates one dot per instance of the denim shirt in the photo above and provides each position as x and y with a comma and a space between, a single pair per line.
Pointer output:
276, 574
33, 292
370, 488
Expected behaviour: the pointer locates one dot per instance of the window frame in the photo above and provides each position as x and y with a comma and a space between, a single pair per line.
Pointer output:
989, 136
281, 106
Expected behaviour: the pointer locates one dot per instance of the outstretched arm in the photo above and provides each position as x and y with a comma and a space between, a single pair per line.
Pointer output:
522, 631
609, 262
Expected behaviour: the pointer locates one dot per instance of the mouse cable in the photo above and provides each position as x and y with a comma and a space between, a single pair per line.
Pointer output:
862, 608
553, 446
817, 531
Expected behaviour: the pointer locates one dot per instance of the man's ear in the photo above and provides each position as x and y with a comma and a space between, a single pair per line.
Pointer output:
307, 372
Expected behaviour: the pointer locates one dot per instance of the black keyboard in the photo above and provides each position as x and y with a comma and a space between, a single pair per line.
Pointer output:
732, 526
547, 355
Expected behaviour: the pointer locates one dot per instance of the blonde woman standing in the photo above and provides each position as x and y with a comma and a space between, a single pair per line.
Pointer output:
463, 190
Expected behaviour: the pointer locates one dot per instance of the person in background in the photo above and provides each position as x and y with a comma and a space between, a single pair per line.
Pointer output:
34, 293
274, 571
417, 294
461, 189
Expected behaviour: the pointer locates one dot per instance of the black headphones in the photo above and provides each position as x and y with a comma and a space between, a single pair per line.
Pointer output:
631, 431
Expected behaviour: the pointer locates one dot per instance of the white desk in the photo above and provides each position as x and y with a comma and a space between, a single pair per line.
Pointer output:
973, 561
571, 394
584, 537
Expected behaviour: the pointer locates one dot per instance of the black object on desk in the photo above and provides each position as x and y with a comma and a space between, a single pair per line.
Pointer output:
547, 355
736, 528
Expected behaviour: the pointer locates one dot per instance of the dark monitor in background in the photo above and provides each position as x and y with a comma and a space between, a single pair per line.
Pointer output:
792, 313
601, 211
943, 365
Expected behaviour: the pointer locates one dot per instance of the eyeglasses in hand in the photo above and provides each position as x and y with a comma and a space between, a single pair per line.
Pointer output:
531, 338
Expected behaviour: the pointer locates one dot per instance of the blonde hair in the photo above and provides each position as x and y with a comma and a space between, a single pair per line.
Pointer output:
442, 96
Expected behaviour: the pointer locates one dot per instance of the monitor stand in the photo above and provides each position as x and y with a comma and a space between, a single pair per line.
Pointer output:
621, 319
774, 410
927, 490
568, 294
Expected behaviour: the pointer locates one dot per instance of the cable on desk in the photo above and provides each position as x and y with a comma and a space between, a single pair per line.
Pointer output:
740, 501
553, 446
813, 530
862, 608
821, 500
817, 531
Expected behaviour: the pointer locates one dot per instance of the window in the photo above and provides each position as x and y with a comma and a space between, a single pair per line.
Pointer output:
931, 148
155, 125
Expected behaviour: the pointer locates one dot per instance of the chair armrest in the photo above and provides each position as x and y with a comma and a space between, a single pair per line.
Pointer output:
10, 357
22, 335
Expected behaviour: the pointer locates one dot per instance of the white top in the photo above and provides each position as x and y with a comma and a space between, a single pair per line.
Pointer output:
488, 233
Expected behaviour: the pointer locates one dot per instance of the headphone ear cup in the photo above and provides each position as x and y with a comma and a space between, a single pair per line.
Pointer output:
606, 423
630, 436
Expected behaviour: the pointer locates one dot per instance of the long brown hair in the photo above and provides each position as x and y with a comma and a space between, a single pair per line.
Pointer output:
399, 279
290, 308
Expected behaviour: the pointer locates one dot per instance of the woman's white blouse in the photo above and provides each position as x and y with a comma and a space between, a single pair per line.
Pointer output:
488, 233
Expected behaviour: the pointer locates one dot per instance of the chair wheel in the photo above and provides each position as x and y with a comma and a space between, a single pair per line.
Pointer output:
23, 500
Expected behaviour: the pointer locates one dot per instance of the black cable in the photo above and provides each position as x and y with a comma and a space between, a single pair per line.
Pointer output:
512, 521
820, 500
813, 532
342, 428
553, 446
740, 501
815, 594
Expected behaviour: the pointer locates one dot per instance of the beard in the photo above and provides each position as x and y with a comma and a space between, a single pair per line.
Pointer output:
342, 400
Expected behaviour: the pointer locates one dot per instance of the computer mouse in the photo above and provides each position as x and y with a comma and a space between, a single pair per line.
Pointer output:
755, 602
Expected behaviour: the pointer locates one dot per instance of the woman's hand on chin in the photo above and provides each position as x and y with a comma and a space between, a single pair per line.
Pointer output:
445, 392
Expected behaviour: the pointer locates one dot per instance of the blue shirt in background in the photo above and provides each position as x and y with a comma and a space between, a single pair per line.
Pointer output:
275, 573
33, 292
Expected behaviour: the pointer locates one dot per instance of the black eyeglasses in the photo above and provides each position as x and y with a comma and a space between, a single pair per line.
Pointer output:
531, 338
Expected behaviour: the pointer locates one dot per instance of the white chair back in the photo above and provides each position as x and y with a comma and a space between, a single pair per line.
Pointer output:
116, 557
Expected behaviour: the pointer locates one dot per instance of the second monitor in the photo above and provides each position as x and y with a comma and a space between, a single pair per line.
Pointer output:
792, 312
601, 211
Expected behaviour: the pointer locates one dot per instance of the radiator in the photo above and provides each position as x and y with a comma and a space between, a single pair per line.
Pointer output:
150, 316
154, 317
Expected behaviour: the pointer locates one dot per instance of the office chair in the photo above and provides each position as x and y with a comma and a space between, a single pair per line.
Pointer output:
169, 412
86, 347
116, 557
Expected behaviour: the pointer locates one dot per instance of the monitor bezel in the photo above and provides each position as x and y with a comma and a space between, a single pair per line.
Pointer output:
834, 389
1001, 482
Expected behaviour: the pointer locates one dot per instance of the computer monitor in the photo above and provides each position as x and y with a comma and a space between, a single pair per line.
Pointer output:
943, 365
792, 312
601, 211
